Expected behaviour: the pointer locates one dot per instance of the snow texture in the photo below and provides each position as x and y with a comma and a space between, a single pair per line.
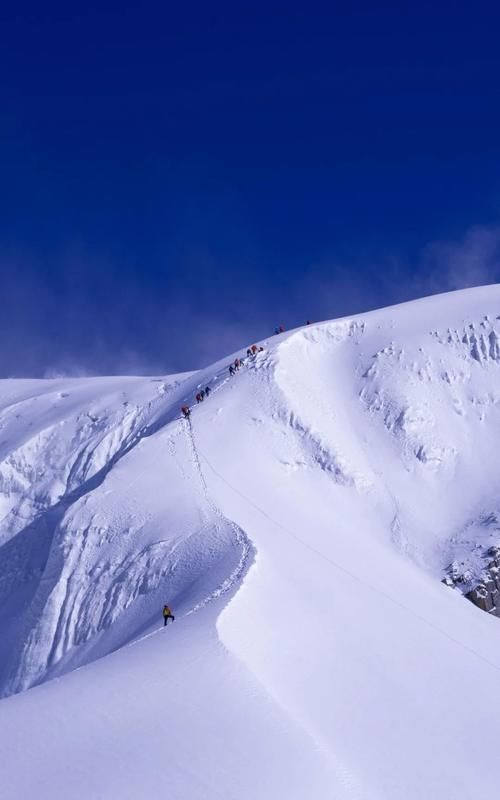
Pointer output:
300, 525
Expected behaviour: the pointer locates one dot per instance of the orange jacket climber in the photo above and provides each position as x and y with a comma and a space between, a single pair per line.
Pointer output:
167, 614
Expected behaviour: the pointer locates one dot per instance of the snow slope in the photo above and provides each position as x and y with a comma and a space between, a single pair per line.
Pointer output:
300, 526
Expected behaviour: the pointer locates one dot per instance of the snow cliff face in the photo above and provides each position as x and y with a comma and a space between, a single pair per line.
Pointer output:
91, 546
315, 502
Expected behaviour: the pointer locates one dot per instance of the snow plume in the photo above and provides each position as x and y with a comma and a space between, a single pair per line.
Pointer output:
473, 261
83, 313
341, 284
79, 316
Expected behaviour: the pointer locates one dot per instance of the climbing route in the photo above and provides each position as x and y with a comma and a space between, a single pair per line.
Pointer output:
221, 521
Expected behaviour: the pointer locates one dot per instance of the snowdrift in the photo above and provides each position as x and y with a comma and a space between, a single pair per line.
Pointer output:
300, 524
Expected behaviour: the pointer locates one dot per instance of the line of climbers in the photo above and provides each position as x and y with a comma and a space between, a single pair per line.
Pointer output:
233, 368
186, 411
238, 362
204, 393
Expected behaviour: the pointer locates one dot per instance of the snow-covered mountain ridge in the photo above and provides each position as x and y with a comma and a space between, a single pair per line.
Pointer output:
300, 525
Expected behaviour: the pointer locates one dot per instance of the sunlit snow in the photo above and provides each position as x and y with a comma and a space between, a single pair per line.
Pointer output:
299, 525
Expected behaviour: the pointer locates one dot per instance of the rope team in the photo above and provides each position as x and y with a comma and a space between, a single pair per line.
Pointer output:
233, 368
200, 396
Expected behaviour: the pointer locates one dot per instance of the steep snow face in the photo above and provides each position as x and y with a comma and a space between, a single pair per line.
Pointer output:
103, 519
300, 525
405, 413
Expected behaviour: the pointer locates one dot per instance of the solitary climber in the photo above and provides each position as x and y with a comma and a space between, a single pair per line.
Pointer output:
167, 614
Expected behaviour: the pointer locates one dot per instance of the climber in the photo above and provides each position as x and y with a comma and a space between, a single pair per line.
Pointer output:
255, 349
202, 394
199, 398
207, 390
231, 369
186, 411
167, 614
237, 363
249, 352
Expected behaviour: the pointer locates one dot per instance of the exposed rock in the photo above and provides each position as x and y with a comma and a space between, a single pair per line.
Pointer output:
486, 594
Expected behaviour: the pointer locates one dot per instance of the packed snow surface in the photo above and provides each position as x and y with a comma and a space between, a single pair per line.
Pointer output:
299, 525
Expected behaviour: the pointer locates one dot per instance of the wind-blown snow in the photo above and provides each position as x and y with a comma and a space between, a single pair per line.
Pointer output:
300, 525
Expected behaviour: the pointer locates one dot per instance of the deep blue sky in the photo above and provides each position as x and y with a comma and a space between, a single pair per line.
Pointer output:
176, 179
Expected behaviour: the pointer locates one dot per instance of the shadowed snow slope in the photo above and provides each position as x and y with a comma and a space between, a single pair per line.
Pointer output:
299, 525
